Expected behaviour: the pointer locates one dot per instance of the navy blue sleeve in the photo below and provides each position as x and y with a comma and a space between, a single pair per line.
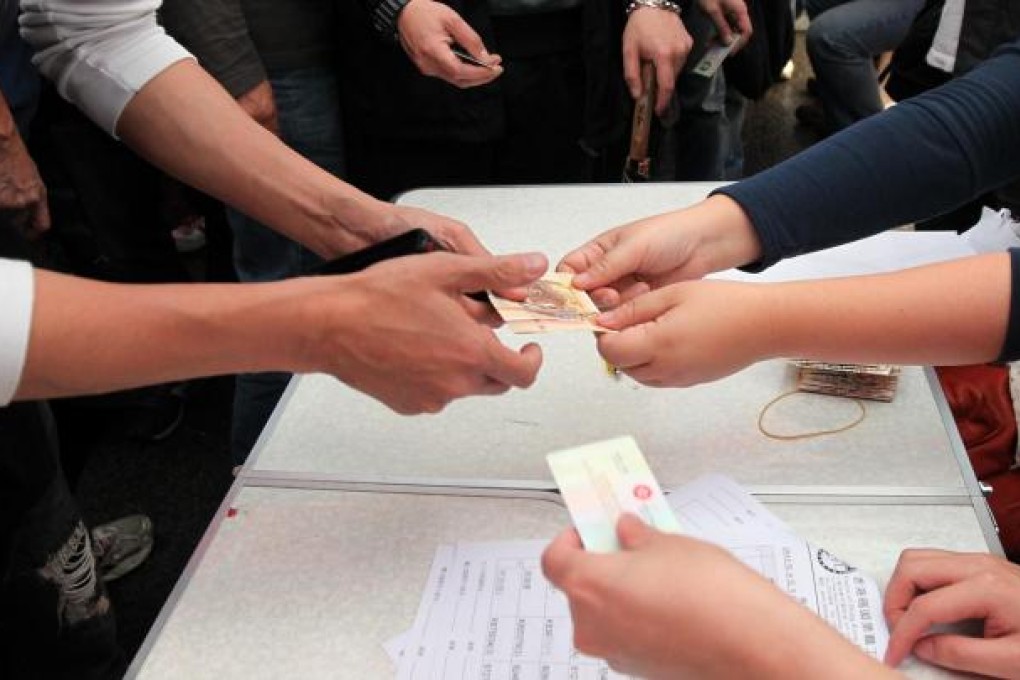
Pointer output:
918, 159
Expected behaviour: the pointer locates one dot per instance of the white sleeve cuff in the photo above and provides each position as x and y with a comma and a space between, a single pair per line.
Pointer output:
99, 53
16, 292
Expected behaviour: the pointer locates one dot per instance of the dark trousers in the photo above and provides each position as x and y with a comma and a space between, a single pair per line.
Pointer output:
55, 617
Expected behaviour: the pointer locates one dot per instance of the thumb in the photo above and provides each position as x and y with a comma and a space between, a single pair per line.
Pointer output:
982, 656
614, 264
642, 309
633, 532
466, 37
496, 273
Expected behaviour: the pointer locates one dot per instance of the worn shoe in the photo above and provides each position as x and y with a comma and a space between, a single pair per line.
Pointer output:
121, 545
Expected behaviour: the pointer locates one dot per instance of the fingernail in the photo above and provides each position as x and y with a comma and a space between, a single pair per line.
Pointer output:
606, 318
581, 280
535, 263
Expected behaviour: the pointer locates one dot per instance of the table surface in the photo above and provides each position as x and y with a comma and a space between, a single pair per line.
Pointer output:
301, 583
326, 428
340, 508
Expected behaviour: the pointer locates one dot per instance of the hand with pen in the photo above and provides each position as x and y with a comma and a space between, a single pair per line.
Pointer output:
429, 32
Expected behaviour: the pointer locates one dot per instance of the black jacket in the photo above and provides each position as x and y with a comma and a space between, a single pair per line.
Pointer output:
386, 95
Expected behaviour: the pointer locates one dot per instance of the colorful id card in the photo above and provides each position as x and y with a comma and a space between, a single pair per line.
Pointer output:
601, 481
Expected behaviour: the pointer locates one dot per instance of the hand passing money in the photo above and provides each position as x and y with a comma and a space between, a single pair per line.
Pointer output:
552, 305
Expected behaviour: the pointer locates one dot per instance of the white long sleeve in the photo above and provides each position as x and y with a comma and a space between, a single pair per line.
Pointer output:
98, 52
16, 295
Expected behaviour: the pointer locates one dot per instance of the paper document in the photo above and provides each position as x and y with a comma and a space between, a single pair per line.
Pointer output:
718, 510
488, 612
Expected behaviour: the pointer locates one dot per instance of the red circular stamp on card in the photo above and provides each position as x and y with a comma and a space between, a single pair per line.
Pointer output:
642, 492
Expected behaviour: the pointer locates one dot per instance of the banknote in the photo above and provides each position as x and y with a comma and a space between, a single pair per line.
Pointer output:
552, 305
715, 56
601, 481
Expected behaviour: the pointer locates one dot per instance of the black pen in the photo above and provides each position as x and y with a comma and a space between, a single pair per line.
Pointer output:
465, 57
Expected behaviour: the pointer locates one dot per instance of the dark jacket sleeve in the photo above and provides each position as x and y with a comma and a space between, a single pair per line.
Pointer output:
920, 158
216, 32
383, 14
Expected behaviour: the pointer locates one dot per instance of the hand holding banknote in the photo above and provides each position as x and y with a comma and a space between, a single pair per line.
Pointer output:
634, 258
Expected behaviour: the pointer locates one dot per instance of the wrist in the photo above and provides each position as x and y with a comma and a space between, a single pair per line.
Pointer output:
386, 17
725, 236
664, 5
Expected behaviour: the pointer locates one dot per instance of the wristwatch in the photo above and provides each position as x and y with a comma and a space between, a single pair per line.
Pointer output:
384, 17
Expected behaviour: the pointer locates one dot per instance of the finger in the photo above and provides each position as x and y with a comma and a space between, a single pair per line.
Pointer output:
993, 658
560, 555
632, 531
632, 70
665, 73
721, 24
615, 262
605, 298
466, 37
471, 274
956, 602
482, 312
920, 571
459, 238
639, 310
516, 368
743, 21
629, 349
634, 290
582, 259
649, 374
490, 388
454, 71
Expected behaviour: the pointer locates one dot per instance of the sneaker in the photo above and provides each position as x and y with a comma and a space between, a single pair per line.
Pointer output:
121, 545
189, 236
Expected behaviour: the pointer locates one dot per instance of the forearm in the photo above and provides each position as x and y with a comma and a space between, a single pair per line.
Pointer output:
804, 648
949, 313
89, 337
222, 151
922, 157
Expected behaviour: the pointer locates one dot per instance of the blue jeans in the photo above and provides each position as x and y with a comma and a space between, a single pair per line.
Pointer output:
843, 38
308, 106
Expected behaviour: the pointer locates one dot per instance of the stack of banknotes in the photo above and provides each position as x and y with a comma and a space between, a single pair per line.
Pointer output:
861, 381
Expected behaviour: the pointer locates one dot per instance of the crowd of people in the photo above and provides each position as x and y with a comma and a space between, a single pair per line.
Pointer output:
306, 117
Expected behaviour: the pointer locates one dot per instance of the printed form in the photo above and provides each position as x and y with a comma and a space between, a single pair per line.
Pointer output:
488, 613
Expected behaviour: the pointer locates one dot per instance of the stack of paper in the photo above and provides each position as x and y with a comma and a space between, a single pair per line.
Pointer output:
488, 612
862, 381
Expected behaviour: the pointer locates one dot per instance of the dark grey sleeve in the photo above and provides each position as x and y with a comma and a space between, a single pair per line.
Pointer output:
216, 32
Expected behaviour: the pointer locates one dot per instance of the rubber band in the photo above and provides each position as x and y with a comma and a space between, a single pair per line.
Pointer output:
804, 435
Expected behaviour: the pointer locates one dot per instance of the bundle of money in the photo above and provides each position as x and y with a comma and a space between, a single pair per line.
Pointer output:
863, 381
552, 305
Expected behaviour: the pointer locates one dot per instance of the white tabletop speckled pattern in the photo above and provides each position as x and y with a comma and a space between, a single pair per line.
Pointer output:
308, 582
326, 427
